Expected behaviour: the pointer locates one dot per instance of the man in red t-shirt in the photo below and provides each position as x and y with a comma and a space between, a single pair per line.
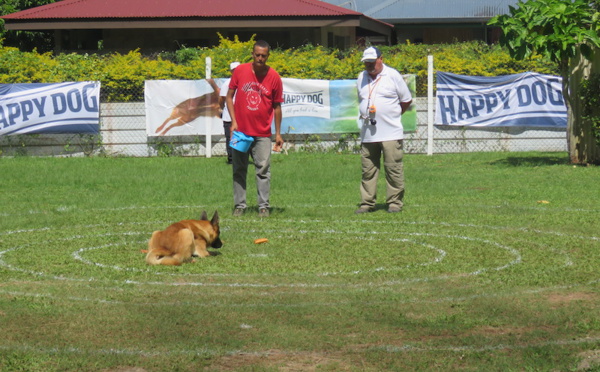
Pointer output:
258, 94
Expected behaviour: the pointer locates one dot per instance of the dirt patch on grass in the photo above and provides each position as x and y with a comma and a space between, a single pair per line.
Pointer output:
560, 299
285, 361
509, 330
590, 359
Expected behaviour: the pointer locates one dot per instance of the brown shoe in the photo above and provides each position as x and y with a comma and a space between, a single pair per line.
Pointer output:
362, 210
394, 209
263, 212
238, 212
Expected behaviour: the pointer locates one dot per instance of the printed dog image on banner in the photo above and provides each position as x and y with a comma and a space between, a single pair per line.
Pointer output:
182, 107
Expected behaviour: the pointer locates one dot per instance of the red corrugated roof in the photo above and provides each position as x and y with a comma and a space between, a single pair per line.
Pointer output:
77, 9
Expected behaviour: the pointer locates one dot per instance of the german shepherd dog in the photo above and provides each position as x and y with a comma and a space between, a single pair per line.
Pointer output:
183, 240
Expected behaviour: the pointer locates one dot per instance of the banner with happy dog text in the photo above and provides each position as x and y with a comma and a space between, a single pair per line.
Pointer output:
329, 106
187, 107
41, 108
526, 100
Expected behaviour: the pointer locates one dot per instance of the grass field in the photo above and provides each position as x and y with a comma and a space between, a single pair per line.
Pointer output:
493, 265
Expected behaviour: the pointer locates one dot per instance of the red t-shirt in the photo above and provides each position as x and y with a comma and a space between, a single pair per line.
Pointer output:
254, 99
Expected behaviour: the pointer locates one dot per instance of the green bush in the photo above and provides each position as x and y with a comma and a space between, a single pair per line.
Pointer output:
122, 75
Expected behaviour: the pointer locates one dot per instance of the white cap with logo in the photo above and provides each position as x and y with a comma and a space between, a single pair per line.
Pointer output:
371, 54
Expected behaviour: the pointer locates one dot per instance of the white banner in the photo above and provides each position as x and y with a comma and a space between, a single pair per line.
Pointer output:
72, 107
527, 99
182, 107
306, 98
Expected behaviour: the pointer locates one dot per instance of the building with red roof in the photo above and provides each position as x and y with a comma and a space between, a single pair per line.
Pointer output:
153, 25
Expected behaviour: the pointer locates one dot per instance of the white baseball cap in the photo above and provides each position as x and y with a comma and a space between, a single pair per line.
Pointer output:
371, 54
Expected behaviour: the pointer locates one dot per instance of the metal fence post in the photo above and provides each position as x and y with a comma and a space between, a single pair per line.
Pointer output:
430, 105
208, 127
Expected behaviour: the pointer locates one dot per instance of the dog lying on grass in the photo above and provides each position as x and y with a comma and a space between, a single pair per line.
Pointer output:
182, 241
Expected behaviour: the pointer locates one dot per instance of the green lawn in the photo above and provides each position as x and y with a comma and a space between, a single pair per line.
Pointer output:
494, 264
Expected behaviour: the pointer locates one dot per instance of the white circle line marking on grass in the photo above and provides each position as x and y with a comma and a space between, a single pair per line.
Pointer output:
297, 284
212, 352
77, 256
203, 303
475, 349
569, 262
298, 221
64, 209
441, 255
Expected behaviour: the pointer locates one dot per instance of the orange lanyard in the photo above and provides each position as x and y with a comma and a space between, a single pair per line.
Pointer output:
372, 89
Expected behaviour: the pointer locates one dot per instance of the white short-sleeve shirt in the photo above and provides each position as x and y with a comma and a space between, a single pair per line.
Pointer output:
224, 89
385, 92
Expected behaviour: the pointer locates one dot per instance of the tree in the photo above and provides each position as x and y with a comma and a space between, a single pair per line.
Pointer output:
567, 32
25, 40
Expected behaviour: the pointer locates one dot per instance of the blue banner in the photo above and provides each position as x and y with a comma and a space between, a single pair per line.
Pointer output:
527, 99
72, 107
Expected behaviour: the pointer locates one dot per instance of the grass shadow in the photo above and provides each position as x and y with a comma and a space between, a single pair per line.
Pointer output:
377, 208
533, 161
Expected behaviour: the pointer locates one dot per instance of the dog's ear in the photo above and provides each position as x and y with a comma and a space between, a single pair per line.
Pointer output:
204, 216
215, 219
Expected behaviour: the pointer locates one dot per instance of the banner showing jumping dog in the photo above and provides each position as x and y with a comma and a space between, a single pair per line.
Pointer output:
182, 107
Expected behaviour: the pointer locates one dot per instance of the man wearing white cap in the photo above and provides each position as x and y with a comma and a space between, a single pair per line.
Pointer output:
383, 97
226, 117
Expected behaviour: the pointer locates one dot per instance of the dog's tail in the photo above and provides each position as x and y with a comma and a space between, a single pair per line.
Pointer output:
161, 256
158, 255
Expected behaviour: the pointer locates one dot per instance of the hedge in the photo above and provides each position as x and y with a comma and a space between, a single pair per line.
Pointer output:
122, 75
